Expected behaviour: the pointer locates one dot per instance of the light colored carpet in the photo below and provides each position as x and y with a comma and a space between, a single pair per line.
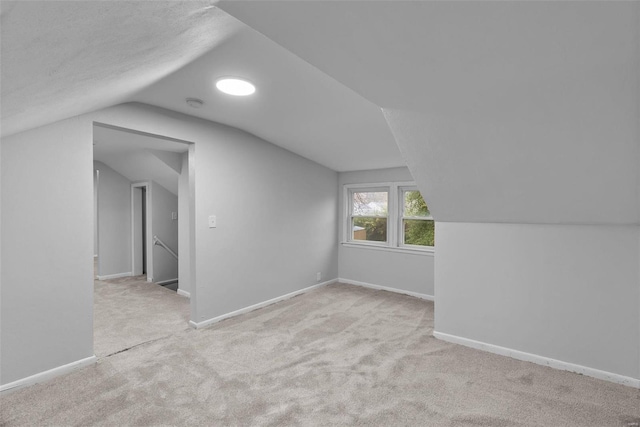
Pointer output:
131, 311
338, 355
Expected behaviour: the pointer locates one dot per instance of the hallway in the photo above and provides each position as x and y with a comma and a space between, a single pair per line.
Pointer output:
131, 311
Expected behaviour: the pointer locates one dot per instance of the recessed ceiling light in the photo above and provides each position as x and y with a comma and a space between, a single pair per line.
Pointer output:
195, 102
234, 86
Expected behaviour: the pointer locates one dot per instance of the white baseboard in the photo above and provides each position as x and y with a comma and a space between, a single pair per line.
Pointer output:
184, 293
213, 320
540, 360
385, 288
47, 375
114, 276
163, 282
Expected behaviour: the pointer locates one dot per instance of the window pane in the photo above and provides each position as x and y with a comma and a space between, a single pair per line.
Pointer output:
419, 232
373, 229
414, 204
370, 203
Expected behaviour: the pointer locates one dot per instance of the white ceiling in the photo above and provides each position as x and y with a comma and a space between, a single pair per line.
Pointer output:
140, 157
64, 58
504, 111
419, 55
60, 59
295, 106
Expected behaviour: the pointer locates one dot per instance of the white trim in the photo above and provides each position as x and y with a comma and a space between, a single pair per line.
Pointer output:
148, 225
395, 217
386, 288
47, 375
428, 250
204, 323
540, 360
386, 187
114, 276
164, 282
183, 293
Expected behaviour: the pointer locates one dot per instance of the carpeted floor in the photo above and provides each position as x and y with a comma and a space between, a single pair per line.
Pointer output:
338, 355
131, 311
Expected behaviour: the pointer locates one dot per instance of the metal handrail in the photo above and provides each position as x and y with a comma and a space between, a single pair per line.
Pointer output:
157, 241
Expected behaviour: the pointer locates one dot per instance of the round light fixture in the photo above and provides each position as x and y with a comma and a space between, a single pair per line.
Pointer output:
234, 86
194, 102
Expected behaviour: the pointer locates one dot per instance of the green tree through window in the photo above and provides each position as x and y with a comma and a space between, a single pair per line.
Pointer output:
370, 213
417, 222
390, 215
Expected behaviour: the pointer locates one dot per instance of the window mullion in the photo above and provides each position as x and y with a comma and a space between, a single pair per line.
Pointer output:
392, 225
400, 199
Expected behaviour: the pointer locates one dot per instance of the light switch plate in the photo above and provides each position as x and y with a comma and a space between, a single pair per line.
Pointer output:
212, 221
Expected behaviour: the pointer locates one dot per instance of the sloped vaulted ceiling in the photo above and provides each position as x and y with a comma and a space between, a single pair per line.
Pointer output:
64, 58
505, 111
61, 59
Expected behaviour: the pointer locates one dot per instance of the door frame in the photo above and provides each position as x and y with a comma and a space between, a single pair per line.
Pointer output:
110, 122
148, 230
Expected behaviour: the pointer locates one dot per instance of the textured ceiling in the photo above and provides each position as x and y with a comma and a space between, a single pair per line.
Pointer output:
64, 58
504, 111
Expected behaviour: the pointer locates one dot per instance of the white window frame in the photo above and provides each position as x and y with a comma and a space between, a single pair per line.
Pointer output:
395, 206
349, 205
402, 217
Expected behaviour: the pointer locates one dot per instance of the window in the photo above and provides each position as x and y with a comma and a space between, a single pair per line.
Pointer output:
369, 215
391, 215
416, 222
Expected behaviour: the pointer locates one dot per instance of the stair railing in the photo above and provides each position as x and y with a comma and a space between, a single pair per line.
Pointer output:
157, 241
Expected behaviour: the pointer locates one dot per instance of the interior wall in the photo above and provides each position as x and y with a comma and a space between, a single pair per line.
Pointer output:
276, 211
565, 292
47, 249
277, 227
1, 275
555, 150
95, 211
164, 203
184, 273
411, 272
517, 112
276, 221
114, 222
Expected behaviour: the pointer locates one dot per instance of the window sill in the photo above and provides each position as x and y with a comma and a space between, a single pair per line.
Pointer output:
417, 251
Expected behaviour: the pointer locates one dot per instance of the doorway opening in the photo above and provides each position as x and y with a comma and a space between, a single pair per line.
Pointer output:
144, 233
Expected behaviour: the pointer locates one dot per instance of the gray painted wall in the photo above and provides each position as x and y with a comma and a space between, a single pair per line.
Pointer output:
1, 273
564, 153
163, 203
400, 270
566, 292
277, 227
95, 211
114, 221
47, 249
522, 125
277, 220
